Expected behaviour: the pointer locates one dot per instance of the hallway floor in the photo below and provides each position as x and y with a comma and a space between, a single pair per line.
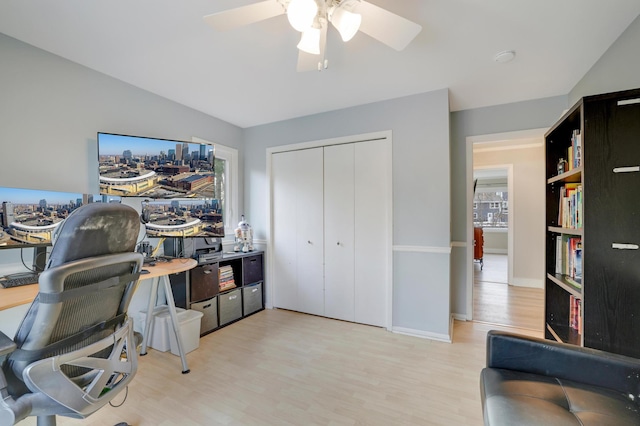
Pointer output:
496, 302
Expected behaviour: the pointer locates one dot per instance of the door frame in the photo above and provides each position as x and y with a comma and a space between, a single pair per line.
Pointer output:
479, 139
386, 239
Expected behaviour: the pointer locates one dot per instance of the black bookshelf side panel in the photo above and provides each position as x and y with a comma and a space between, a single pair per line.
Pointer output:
550, 257
557, 309
612, 218
612, 308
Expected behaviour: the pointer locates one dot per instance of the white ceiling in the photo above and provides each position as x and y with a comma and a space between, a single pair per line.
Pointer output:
248, 76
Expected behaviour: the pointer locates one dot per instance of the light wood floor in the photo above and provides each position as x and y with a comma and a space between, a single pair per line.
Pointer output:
284, 368
496, 302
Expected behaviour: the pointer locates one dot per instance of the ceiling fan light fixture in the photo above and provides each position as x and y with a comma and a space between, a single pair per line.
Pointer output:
346, 22
310, 41
301, 14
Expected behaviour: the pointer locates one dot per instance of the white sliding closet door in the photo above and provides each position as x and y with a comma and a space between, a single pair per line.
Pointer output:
331, 231
372, 220
298, 230
310, 236
285, 257
339, 232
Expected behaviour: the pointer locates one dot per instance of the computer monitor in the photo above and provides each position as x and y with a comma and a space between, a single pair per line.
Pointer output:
29, 218
183, 218
136, 166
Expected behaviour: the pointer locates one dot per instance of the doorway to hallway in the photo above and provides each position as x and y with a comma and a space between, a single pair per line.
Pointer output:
509, 289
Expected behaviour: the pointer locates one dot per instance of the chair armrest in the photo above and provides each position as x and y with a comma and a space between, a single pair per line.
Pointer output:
564, 361
6, 345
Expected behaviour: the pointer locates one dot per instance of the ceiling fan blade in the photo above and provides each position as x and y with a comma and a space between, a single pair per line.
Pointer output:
386, 27
244, 15
310, 62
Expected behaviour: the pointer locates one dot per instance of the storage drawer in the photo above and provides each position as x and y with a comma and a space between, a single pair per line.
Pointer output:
252, 298
230, 306
204, 282
209, 308
252, 269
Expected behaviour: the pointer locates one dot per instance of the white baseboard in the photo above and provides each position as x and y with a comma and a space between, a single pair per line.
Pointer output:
459, 317
422, 334
489, 250
527, 282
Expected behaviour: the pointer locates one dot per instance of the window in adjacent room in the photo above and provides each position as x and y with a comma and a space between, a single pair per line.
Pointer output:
490, 209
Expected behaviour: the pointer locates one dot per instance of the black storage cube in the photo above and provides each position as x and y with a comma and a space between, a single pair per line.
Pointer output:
252, 298
210, 318
204, 282
230, 306
252, 269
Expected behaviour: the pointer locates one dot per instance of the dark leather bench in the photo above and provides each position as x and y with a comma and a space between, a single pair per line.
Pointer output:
531, 381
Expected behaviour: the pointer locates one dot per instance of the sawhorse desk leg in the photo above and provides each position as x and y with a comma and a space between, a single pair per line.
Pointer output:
153, 297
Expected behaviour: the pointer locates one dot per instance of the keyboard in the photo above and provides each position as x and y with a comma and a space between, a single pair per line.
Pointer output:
15, 280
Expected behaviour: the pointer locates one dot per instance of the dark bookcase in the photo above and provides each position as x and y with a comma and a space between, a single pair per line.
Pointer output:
606, 295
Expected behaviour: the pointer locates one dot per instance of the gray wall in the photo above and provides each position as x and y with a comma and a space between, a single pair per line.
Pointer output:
526, 115
420, 127
51, 110
495, 241
617, 69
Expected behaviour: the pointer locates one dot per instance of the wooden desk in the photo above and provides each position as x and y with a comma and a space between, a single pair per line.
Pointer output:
160, 273
21, 295
16, 296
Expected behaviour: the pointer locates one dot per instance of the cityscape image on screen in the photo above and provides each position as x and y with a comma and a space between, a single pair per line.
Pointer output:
134, 166
183, 218
30, 217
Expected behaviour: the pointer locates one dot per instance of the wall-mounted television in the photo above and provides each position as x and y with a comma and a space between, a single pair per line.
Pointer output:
183, 218
136, 166
29, 217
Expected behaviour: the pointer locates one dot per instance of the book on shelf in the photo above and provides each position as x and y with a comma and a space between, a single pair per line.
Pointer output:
227, 285
569, 259
559, 254
577, 264
575, 314
226, 280
570, 159
576, 147
570, 206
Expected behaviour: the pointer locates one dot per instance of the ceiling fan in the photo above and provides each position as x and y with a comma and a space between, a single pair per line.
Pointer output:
312, 18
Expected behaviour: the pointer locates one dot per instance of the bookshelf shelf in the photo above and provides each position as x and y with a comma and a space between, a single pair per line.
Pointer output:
565, 334
572, 176
567, 231
561, 280
591, 208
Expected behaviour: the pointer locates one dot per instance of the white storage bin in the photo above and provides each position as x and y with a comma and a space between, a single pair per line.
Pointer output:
160, 327
189, 323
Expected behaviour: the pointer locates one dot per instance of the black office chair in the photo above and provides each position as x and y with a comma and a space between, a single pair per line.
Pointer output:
75, 349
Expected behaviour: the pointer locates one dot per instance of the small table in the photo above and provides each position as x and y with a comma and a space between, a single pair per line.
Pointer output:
160, 272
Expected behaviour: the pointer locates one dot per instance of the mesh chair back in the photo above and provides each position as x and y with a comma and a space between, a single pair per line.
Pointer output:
85, 290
